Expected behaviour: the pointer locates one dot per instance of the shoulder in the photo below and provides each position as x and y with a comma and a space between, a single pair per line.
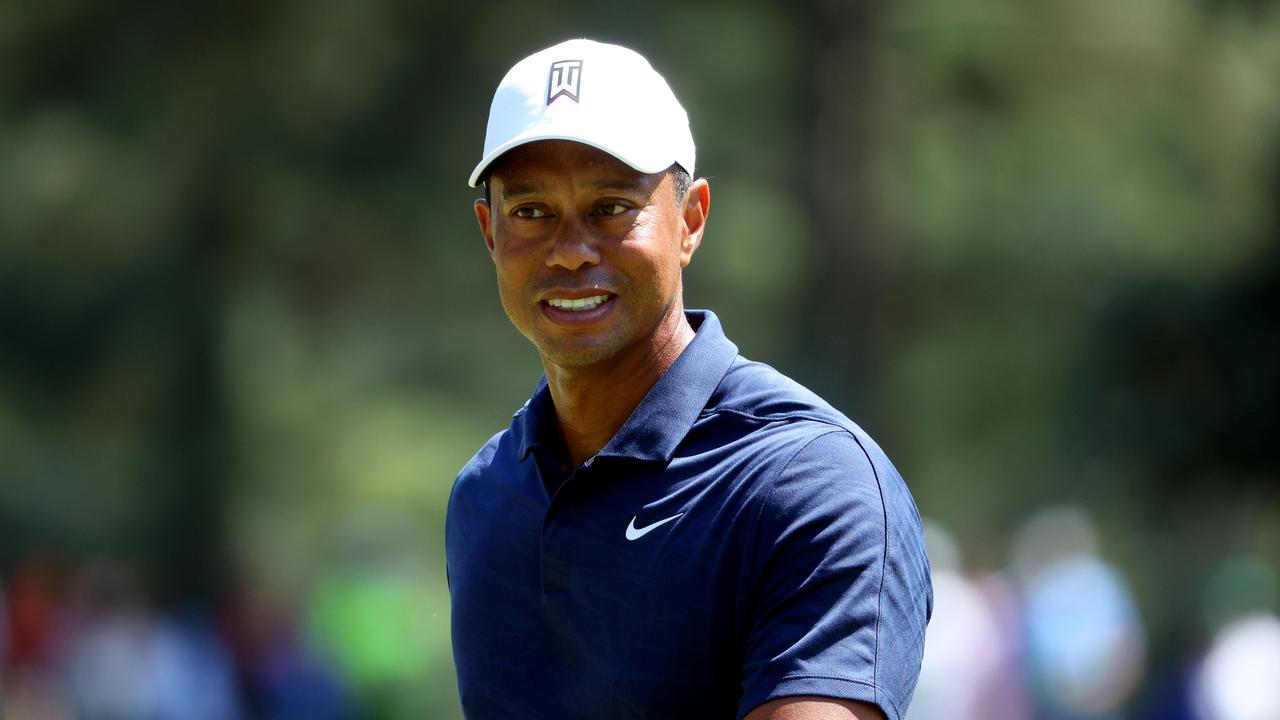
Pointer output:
826, 483
760, 390
815, 471
811, 439
489, 453
485, 486
486, 464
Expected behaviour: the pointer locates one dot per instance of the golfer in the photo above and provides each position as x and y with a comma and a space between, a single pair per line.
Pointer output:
666, 529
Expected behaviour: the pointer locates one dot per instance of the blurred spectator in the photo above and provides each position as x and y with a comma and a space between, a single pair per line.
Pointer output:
33, 629
111, 647
34, 626
1006, 696
194, 677
963, 645
1085, 641
281, 678
366, 614
88, 643
127, 663
1240, 676
4, 630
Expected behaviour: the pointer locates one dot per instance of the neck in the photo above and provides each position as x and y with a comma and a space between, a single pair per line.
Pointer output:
593, 402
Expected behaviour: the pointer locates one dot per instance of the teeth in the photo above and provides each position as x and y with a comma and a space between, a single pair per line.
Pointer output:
577, 304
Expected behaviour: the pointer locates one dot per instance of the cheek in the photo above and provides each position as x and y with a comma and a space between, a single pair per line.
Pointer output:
655, 241
512, 260
670, 260
511, 280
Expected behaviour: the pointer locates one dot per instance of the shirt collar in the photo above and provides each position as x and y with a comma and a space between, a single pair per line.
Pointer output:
537, 417
656, 427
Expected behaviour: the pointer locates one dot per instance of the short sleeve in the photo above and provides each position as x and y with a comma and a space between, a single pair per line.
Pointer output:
841, 587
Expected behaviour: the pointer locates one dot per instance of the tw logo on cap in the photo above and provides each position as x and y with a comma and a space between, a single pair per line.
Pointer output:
565, 79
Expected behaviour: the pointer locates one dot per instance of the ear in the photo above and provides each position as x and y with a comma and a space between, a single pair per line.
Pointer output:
486, 222
697, 204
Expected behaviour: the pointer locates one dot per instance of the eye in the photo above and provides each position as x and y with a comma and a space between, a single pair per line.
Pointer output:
610, 208
529, 212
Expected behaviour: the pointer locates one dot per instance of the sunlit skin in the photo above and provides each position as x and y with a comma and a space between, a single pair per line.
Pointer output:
568, 221
565, 221
815, 708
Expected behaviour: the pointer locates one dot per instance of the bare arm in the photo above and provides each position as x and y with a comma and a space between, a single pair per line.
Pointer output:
815, 708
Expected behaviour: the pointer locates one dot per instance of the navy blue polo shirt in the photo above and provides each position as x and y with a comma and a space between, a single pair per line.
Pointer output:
737, 541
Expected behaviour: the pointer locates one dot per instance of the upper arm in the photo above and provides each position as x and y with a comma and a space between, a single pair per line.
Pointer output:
842, 594
815, 708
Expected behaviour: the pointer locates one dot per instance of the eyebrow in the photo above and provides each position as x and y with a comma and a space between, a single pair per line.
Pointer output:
517, 189
622, 185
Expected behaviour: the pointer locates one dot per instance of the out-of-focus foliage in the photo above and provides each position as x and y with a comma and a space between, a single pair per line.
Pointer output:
248, 332
1083, 201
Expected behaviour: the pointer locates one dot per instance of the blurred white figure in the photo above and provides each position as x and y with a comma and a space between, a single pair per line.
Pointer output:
127, 663
962, 646
1240, 676
1085, 640
112, 667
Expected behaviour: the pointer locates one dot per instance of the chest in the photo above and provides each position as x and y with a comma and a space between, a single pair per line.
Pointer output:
634, 581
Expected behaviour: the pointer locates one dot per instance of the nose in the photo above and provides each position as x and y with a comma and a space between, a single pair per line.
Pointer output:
573, 246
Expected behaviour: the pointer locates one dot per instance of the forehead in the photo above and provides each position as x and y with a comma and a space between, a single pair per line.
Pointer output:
567, 161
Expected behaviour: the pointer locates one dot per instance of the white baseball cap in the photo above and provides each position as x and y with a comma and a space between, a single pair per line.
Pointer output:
605, 96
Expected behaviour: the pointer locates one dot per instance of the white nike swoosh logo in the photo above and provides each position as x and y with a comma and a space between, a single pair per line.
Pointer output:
634, 533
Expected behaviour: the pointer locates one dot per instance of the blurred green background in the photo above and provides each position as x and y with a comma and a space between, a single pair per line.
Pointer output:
249, 333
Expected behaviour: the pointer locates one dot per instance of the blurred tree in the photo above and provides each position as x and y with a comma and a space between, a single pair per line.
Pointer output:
838, 336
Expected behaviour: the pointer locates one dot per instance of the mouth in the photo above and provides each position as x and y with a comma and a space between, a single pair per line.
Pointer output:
583, 304
578, 313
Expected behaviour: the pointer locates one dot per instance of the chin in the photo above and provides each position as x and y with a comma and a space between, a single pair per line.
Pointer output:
575, 354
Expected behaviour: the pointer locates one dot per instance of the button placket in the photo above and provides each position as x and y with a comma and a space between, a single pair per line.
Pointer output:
556, 550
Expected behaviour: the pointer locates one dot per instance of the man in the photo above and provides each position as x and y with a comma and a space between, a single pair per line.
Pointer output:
666, 530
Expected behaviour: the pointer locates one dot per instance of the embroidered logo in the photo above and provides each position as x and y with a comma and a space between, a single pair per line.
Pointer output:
635, 533
565, 79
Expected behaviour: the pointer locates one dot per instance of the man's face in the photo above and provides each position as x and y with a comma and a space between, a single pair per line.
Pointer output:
588, 251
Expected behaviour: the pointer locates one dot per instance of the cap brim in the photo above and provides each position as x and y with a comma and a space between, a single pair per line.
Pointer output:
643, 165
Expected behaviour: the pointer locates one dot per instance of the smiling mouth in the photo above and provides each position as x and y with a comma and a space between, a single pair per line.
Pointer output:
578, 304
